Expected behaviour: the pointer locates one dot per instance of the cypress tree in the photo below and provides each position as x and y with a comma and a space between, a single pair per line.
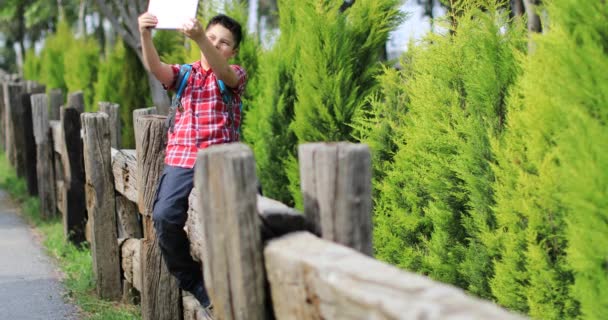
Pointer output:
433, 209
52, 65
120, 81
81, 61
267, 123
31, 65
338, 63
554, 170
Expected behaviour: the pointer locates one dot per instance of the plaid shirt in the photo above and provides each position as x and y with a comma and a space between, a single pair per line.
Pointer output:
205, 119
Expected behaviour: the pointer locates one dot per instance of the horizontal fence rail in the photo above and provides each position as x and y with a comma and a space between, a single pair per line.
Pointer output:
261, 259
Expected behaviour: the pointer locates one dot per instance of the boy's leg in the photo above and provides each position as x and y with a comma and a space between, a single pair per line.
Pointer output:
170, 214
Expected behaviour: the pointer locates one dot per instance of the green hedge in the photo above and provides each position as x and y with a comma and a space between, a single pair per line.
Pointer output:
490, 163
552, 175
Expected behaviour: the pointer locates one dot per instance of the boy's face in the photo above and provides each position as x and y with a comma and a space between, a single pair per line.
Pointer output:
222, 39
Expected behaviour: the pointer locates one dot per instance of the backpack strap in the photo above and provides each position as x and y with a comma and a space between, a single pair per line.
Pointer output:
181, 82
228, 99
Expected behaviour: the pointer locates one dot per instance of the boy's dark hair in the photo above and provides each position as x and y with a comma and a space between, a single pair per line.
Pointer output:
230, 24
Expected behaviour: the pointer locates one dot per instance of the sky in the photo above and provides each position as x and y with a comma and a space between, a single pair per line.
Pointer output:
414, 27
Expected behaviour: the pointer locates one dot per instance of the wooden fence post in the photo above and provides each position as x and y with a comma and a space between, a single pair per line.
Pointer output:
55, 102
140, 113
101, 204
233, 263
14, 141
76, 101
2, 116
44, 154
75, 214
112, 110
336, 186
27, 131
160, 296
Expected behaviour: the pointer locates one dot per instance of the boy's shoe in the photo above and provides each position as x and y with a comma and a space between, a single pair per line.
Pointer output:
208, 314
200, 294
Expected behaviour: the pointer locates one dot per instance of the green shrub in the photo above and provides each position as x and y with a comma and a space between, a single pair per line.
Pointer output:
270, 111
120, 81
31, 66
337, 68
433, 205
52, 62
81, 61
553, 170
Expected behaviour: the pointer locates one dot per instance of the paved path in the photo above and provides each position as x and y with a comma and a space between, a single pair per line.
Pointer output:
29, 285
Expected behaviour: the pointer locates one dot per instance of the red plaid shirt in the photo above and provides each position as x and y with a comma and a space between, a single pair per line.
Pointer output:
205, 119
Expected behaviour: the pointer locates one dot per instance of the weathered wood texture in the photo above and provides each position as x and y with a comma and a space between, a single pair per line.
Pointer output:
112, 110
33, 87
29, 148
101, 204
160, 294
44, 154
233, 263
2, 117
311, 278
139, 113
336, 186
124, 166
129, 225
193, 310
76, 101
59, 169
131, 262
277, 219
161, 297
15, 141
150, 158
55, 102
73, 194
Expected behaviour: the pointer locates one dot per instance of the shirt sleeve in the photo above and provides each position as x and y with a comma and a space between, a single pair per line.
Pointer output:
175, 69
242, 75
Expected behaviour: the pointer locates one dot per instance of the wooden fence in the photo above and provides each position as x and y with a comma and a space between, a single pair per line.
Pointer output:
262, 259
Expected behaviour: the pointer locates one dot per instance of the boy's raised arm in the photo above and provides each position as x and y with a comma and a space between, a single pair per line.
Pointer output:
219, 64
152, 63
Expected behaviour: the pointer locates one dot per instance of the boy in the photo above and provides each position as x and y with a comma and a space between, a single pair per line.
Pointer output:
202, 119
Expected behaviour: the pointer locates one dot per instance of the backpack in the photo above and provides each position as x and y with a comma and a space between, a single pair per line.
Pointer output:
182, 80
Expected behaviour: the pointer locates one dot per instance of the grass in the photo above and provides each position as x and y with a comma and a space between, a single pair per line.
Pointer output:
75, 262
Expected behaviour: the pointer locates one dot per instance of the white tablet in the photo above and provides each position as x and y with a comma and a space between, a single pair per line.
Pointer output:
172, 14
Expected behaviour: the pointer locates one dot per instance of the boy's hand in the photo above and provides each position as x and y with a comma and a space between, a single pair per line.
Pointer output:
146, 22
193, 29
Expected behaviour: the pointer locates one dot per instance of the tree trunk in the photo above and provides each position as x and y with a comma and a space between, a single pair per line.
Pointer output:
534, 24
81, 14
517, 8
20, 37
159, 95
123, 17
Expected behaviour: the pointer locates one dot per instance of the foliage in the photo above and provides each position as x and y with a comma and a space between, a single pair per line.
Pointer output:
31, 66
337, 67
52, 60
31, 20
266, 125
80, 62
120, 81
170, 46
312, 83
433, 210
551, 191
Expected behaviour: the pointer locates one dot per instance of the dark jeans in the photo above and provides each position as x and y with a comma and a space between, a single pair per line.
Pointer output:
170, 214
